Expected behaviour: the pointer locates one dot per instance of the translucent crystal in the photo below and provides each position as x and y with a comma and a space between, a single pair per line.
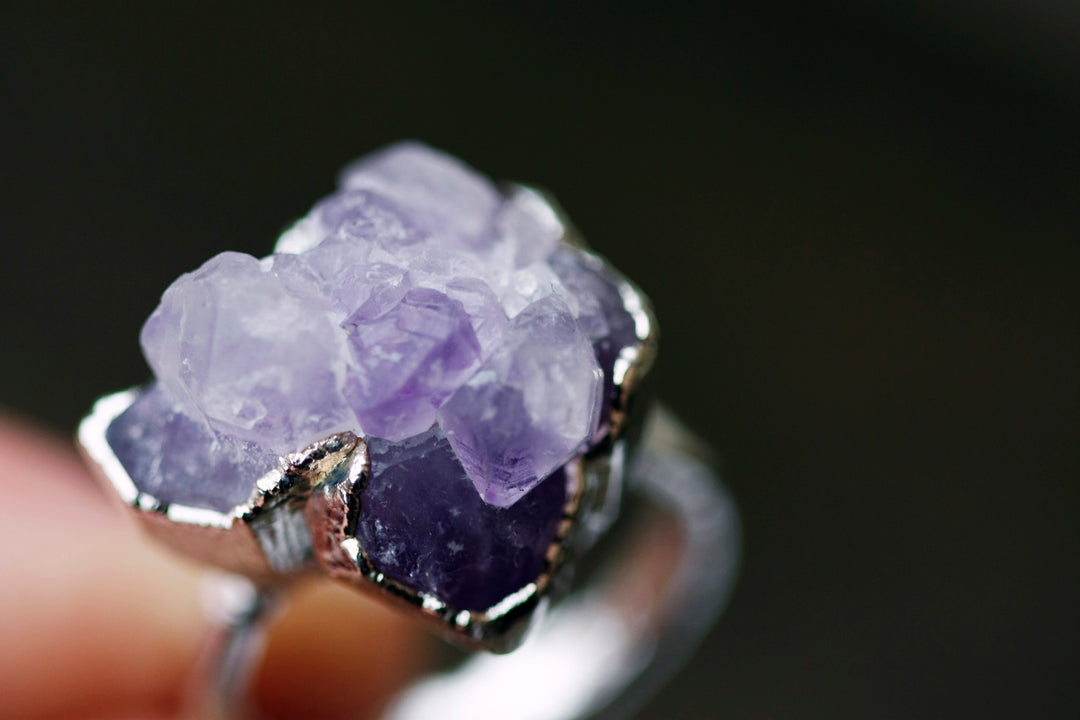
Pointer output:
248, 353
530, 408
407, 361
417, 295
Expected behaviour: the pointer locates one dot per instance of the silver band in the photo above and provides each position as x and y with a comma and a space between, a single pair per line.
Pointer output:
238, 612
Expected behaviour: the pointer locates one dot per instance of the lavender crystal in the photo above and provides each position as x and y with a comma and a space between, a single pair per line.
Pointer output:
419, 298
531, 405
177, 460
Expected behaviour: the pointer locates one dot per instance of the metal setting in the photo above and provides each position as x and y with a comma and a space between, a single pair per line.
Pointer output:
633, 364
603, 651
239, 611
302, 517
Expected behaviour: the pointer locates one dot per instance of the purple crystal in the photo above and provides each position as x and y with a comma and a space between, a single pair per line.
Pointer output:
367, 290
422, 524
416, 294
241, 350
407, 361
365, 216
179, 461
443, 192
530, 226
530, 408
485, 313
602, 316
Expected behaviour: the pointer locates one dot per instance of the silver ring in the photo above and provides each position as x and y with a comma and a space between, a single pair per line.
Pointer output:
336, 505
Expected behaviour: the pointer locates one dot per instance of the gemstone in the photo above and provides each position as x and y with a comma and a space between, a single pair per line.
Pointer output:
442, 193
419, 297
243, 352
530, 406
179, 460
422, 524
407, 362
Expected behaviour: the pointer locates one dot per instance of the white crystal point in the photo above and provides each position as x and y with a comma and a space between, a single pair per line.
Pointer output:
485, 313
305, 233
529, 226
520, 288
240, 346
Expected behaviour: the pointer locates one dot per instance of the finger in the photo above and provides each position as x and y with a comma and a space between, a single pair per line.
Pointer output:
96, 620
93, 619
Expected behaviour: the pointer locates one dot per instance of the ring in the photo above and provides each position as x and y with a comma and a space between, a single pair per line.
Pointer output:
431, 391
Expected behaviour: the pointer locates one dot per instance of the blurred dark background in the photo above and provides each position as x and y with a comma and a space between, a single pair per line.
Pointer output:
858, 222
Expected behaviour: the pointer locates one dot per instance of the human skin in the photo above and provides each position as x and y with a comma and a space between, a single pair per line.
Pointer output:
97, 621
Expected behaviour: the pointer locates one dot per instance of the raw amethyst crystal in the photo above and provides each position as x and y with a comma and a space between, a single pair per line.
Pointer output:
602, 317
178, 460
529, 406
418, 296
428, 341
422, 524
249, 349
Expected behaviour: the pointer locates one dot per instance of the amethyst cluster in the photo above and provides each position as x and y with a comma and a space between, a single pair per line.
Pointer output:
439, 317
417, 295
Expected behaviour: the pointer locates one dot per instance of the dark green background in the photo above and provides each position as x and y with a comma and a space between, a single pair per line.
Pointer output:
858, 223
